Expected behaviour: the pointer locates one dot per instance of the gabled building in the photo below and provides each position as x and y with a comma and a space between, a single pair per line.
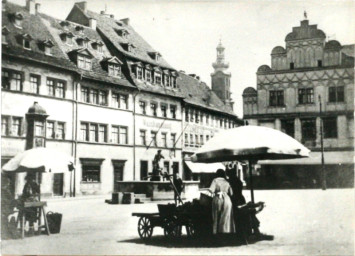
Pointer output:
310, 71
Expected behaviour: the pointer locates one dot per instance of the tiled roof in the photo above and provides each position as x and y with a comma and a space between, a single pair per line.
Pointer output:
34, 27
199, 94
109, 27
97, 72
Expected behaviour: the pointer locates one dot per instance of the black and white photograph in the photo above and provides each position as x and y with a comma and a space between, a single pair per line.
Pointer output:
156, 127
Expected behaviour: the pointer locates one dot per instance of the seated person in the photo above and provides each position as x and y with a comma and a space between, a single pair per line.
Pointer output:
30, 193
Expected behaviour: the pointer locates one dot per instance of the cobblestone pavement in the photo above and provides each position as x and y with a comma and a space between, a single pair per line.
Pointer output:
303, 222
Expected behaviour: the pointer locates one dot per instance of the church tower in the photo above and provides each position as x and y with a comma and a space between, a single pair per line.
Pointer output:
221, 77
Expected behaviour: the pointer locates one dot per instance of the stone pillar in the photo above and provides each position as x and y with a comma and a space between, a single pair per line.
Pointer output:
343, 136
277, 124
298, 129
36, 126
318, 131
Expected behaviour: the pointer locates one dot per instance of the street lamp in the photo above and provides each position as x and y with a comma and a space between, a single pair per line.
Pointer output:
324, 181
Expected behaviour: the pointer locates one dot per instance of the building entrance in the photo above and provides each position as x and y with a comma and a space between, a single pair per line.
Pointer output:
58, 182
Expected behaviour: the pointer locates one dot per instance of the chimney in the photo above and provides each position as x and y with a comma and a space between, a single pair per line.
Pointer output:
125, 21
92, 23
112, 16
82, 5
38, 8
30, 6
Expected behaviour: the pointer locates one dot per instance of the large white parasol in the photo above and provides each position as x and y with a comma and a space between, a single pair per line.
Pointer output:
250, 143
39, 160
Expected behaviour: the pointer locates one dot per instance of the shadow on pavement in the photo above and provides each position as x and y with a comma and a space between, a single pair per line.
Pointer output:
190, 242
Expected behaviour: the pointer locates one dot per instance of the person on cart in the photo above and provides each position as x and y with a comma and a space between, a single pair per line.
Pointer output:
222, 210
179, 185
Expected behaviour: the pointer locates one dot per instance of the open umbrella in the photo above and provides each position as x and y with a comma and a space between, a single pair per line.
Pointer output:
39, 160
250, 143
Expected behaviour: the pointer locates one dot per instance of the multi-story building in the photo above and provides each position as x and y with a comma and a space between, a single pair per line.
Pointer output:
309, 72
106, 96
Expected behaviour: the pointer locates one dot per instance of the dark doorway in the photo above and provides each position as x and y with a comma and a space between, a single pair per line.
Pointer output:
144, 170
175, 167
58, 182
166, 167
118, 169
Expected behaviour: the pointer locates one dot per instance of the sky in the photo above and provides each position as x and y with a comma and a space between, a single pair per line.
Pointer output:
186, 33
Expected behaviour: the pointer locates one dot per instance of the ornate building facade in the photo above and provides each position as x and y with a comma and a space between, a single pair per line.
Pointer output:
309, 72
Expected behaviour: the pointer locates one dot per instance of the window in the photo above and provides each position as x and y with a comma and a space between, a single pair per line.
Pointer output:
163, 110
191, 140
153, 107
142, 107
102, 133
16, 81
123, 135
114, 70
191, 115
319, 63
50, 130
60, 131
308, 129
119, 134
196, 117
4, 125
157, 77
153, 138
84, 131
336, 94
220, 123
5, 79
207, 119
94, 96
276, 98
186, 142
163, 140
91, 173
305, 96
207, 138
166, 80
48, 50
173, 138
201, 140
292, 65
119, 100
148, 75
16, 126
85, 97
330, 127
142, 135
34, 84
39, 128
288, 127
197, 143
139, 73
186, 115
173, 82
84, 62
93, 135
103, 98
173, 111
56, 88
26, 44
124, 101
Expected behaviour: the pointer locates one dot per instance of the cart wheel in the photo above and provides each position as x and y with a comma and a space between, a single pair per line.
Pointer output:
190, 229
145, 228
171, 229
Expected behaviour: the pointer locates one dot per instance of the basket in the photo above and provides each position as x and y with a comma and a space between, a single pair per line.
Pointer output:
54, 222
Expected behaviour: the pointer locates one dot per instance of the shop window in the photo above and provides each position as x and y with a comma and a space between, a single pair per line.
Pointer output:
308, 129
288, 127
336, 94
91, 169
330, 127
305, 96
276, 98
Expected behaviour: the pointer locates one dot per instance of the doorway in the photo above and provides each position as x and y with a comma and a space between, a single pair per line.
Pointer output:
58, 182
144, 170
118, 170
175, 167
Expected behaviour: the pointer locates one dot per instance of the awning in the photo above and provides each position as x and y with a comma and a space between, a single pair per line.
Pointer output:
315, 158
204, 168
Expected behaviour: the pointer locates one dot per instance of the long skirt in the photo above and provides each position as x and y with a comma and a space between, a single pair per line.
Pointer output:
222, 214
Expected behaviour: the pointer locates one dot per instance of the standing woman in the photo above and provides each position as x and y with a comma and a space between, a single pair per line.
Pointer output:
222, 210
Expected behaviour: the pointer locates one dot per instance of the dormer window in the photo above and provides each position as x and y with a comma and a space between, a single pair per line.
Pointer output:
166, 78
128, 47
4, 34
67, 37
46, 46
17, 19
97, 46
157, 76
25, 40
155, 55
173, 79
148, 73
113, 66
64, 24
80, 29
84, 62
139, 71
83, 42
122, 33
